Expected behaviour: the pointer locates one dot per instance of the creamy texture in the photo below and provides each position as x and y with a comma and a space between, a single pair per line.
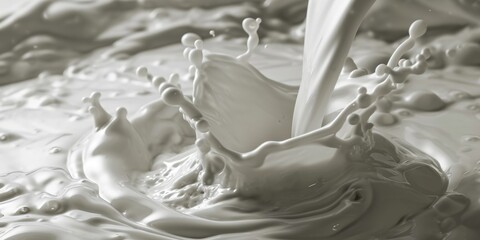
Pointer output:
225, 165
48, 35
239, 163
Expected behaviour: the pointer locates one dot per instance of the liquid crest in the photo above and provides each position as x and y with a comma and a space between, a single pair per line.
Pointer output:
245, 159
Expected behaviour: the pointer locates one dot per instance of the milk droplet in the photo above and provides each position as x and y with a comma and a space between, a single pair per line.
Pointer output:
353, 119
196, 57
405, 63
189, 39
426, 52
3, 137
174, 78
250, 26
381, 69
363, 99
142, 71
385, 119
172, 96
417, 29
51, 206
198, 44
165, 86
186, 52
23, 210
202, 145
55, 150
336, 227
157, 81
100, 116
202, 126
450, 52
122, 112
362, 90
212, 33
425, 101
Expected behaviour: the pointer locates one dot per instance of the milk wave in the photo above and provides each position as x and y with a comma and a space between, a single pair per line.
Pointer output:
345, 169
256, 202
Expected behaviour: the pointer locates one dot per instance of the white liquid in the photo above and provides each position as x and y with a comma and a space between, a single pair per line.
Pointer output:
330, 31
228, 185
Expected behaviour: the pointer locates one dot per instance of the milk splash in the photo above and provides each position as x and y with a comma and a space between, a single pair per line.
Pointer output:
245, 172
